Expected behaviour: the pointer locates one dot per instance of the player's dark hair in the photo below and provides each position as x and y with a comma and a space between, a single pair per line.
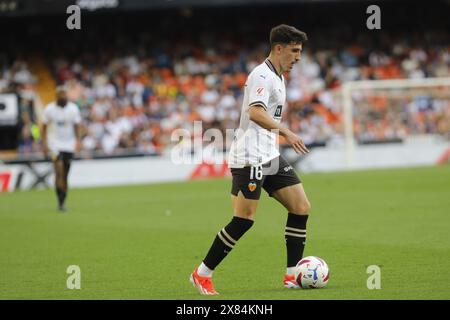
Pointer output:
284, 34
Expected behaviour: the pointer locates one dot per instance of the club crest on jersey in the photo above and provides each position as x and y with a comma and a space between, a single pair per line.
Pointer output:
260, 91
252, 186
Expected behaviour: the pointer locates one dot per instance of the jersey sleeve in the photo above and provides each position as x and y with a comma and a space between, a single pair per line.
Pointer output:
77, 115
46, 115
259, 88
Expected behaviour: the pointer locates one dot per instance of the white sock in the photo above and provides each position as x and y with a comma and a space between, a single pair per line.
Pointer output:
204, 271
290, 271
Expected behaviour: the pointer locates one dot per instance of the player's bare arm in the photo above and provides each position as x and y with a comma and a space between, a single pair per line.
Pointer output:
259, 115
44, 141
77, 128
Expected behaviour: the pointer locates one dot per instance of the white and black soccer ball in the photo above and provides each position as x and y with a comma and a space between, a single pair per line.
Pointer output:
312, 272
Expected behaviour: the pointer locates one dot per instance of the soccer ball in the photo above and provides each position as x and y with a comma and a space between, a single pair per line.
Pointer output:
312, 272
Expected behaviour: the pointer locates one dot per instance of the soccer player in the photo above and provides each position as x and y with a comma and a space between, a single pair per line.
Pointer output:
255, 161
60, 139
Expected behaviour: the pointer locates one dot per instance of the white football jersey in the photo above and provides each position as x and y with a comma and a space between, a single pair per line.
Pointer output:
252, 144
60, 123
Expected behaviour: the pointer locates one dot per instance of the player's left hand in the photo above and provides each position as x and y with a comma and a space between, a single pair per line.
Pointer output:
297, 143
300, 147
78, 147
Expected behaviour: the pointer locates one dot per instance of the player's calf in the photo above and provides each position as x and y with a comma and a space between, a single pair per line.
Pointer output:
225, 240
295, 236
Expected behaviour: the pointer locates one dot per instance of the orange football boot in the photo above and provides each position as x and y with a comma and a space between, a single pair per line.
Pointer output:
203, 284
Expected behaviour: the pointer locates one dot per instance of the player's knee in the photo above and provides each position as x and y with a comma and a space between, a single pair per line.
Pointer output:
302, 208
59, 181
246, 214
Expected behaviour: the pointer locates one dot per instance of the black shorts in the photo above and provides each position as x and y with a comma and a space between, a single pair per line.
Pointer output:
66, 158
274, 175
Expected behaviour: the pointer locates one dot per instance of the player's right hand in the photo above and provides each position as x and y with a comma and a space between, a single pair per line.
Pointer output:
46, 151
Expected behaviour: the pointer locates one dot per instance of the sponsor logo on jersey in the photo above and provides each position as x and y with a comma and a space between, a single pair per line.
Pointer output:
278, 111
252, 186
286, 169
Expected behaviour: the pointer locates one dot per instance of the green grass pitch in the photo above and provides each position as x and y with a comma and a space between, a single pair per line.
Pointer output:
142, 242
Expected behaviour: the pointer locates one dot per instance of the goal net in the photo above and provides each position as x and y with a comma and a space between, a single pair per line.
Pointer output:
397, 111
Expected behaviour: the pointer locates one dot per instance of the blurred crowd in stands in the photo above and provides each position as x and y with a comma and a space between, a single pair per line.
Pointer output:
15, 77
134, 99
